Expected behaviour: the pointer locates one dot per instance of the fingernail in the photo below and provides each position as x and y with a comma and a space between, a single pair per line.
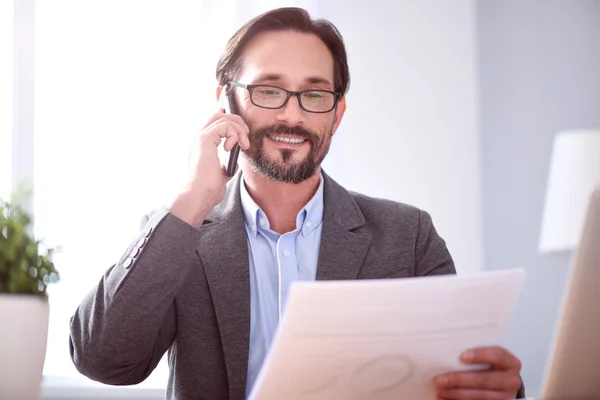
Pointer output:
468, 355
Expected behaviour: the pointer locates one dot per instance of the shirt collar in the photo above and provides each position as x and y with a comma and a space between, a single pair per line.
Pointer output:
308, 218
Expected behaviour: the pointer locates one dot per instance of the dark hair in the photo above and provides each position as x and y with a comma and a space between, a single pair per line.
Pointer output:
285, 19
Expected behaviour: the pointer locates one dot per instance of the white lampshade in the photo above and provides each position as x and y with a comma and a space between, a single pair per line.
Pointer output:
574, 174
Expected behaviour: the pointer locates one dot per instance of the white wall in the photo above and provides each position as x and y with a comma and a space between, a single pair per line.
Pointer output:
410, 131
539, 64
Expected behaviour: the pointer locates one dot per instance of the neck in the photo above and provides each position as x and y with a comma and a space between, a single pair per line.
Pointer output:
280, 201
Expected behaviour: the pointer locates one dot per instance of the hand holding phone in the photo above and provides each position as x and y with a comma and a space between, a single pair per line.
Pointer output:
207, 183
228, 103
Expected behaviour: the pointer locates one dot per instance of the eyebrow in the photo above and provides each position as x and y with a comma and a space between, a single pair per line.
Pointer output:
277, 77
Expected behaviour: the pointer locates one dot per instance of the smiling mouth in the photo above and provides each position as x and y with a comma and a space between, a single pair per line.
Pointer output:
284, 139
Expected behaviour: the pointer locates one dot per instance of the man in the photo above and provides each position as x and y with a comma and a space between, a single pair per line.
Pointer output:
207, 278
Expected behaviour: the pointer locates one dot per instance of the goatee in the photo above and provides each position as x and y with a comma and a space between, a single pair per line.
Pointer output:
287, 170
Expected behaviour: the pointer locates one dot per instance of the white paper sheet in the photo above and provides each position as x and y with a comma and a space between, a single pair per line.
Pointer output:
383, 339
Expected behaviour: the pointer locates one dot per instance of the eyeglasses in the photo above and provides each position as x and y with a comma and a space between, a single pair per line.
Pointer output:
274, 97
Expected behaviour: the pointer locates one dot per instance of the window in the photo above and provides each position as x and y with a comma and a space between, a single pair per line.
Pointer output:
6, 96
122, 88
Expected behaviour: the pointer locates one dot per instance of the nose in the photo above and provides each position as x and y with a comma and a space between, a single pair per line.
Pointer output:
291, 113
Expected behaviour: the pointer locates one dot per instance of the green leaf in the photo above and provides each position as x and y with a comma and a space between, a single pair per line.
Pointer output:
26, 264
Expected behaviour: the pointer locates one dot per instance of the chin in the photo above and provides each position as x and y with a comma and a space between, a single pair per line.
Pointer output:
294, 162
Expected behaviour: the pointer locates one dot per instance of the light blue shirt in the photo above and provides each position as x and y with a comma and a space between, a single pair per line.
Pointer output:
275, 262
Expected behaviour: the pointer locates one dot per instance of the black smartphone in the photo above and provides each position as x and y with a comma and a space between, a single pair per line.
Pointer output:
231, 108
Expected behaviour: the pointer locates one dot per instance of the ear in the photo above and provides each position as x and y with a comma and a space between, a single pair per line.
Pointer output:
340, 109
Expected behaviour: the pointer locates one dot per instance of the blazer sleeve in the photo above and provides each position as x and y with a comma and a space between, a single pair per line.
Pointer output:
123, 327
431, 254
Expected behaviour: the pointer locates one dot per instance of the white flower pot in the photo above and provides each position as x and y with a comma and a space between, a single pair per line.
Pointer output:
23, 339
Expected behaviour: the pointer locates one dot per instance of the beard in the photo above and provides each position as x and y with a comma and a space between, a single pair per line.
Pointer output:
287, 169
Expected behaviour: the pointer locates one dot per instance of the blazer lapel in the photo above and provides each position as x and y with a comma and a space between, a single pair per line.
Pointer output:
343, 247
223, 250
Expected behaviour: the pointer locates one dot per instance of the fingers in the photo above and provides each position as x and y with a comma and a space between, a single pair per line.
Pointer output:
230, 142
474, 394
224, 169
501, 382
484, 380
235, 119
220, 115
218, 130
497, 357
231, 131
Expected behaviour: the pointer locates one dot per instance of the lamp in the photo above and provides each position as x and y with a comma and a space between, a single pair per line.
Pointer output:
574, 175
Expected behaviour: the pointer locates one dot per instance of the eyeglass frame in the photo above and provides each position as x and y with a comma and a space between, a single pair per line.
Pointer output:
336, 96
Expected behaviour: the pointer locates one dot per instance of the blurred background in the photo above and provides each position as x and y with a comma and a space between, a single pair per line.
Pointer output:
453, 107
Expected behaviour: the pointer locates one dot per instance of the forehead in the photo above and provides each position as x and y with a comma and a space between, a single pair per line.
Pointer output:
295, 56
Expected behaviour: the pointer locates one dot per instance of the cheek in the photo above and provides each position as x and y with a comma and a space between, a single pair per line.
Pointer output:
257, 118
324, 129
326, 122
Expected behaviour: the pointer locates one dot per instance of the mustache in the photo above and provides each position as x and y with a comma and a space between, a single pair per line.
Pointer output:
284, 130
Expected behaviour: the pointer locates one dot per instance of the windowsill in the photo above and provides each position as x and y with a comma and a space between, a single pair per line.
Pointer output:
61, 388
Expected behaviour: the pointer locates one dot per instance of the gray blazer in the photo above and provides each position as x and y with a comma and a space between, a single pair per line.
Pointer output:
187, 290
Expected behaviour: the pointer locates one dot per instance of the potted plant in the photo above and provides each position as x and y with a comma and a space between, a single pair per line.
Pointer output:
26, 270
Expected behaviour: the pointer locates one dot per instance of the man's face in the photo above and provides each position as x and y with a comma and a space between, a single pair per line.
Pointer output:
287, 144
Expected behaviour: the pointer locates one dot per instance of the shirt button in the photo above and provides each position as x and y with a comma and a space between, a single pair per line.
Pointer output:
308, 224
261, 222
287, 253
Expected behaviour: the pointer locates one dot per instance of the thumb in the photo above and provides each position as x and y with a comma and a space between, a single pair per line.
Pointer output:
224, 169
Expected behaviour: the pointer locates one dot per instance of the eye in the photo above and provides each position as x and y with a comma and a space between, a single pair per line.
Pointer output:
315, 95
268, 91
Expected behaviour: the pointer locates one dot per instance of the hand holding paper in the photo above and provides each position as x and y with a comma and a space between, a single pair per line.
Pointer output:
384, 339
502, 381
